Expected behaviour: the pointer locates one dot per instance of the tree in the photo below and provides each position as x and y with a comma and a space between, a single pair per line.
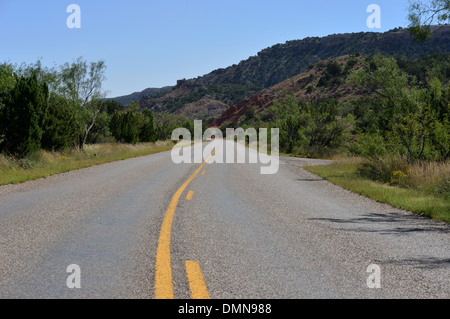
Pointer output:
60, 127
124, 126
50, 76
165, 123
422, 14
130, 129
315, 126
115, 125
411, 116
327, 129
147, 127
7, 83
423, 135
81, 84
111, 107
414, 135
7, 79
382, 76
24, 116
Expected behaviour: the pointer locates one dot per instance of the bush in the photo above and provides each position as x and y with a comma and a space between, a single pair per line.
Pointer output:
60, 129
24, 116
324, 81
334, 68
124, 127
431, 177
352, 61
331, 75
370, 145
383, 168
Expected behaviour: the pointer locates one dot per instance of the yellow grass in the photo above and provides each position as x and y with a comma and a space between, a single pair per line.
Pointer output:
419, 191
43, 163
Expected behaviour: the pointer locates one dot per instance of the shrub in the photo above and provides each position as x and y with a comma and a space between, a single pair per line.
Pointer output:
24, 117
334, 68
369, 145
60, 129
428, 176
383, 168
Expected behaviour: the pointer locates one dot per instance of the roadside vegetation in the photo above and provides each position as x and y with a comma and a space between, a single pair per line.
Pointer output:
425, 190
53, 120
398, 150
396, 124
391, 131
42, 163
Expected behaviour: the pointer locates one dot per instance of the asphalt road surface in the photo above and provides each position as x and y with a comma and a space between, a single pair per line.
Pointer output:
149, 228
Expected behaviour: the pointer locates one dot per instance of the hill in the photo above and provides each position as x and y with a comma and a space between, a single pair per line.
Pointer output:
328, 79
321, 81
136, 96
282, 61
208, 96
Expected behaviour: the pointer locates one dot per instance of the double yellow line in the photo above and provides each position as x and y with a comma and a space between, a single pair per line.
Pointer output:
163, 268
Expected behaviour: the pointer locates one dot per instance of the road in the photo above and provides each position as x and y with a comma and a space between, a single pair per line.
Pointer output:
148, 228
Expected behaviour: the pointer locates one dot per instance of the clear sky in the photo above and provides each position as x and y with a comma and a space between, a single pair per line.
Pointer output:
153, 43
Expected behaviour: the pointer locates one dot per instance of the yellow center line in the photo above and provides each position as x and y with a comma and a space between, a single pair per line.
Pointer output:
204, 172
190, 195
163, 269
196, 281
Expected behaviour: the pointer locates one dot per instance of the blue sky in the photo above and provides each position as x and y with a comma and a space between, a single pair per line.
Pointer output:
153, 43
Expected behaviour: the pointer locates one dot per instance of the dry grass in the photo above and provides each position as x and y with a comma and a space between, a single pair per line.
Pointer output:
431, 176
422, 188
43, 163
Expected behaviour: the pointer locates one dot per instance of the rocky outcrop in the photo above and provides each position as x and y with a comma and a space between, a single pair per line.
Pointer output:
235, 112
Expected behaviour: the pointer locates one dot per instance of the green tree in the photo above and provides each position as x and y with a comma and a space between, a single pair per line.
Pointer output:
60, 128
424, 13
423, 136
125, 125
165, 123
440, 134
115, 125
314, 126
24, 116
327, 129
50, 76
81, 84
147, 127
382, 76
7, 79
130, 129
413, 132
7, 83
412, 117
290, 136
111, 106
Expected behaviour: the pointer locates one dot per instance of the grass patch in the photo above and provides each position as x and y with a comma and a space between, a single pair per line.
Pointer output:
43, 163
347, 174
